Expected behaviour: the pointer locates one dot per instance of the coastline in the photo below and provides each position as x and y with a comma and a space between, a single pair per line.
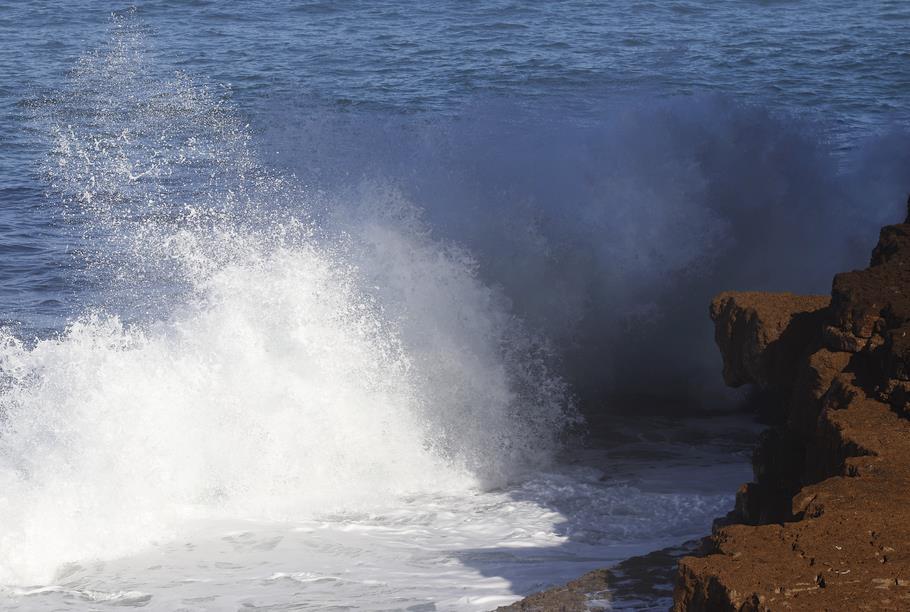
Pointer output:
819, 527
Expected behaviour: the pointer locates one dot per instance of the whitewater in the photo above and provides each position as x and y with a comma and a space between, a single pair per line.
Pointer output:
280, 398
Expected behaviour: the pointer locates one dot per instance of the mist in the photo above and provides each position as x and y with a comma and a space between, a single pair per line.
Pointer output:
610, 232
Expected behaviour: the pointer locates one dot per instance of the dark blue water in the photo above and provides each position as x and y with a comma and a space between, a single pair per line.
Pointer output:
639, 142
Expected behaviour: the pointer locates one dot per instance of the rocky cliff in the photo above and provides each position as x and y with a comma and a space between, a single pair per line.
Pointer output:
824, 525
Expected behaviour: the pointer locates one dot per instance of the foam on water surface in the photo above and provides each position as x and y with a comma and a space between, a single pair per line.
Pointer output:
470, 550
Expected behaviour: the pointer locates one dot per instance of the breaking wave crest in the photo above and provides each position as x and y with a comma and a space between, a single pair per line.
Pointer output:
236, 358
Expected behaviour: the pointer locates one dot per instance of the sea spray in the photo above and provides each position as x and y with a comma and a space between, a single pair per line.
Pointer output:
241, 360
611, 228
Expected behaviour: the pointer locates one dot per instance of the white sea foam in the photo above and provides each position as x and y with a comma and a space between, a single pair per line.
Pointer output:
244, 361
468, 551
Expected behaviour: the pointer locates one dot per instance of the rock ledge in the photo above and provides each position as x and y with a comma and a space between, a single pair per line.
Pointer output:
824, 526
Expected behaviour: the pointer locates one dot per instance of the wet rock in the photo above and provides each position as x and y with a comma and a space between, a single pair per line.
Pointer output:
573, 597
641, 582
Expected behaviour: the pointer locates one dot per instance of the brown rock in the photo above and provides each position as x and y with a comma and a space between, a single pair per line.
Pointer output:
759, 333
573, 597
635, 580
828, 525
813, 381
825, 526
850, 550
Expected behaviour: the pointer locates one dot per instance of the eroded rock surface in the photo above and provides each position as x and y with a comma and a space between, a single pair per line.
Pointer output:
761, 334
825, 525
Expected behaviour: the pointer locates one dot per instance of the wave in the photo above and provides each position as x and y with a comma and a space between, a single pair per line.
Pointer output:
611, 229
243, 356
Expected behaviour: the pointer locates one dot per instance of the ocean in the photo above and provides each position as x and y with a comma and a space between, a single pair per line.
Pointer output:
316, 305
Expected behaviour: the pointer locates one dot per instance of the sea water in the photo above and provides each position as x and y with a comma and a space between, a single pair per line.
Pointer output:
301, 301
